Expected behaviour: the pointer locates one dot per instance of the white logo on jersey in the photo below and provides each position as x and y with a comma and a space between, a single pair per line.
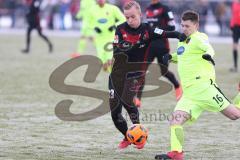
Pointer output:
170, 15
142, 45
152, 19
158, 31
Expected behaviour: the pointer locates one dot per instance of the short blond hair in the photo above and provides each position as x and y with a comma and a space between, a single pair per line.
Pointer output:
130, 4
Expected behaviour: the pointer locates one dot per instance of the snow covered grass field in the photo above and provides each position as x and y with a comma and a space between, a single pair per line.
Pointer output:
30, 130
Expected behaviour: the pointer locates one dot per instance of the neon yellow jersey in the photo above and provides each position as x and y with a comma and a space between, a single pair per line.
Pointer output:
192, 68
105, 17
84, 8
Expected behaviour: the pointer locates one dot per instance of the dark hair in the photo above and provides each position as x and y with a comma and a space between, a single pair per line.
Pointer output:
190, 15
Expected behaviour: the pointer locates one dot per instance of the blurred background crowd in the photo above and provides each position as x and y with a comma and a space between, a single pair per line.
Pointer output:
61, 14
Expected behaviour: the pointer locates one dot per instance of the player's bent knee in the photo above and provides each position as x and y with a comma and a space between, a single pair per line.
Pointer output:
179, 118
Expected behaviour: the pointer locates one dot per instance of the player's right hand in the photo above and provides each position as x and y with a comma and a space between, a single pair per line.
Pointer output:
208, 58
98, 30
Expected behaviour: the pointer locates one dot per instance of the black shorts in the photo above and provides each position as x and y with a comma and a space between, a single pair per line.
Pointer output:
123, 91
236, 33
158, 48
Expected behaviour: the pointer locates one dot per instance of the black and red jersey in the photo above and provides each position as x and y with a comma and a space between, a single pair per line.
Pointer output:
33, 16
130, 52
159, 15
34, 7
134, 43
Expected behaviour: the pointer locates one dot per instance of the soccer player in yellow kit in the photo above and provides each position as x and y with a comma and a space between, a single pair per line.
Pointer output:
200, 91
104, 18
86, 31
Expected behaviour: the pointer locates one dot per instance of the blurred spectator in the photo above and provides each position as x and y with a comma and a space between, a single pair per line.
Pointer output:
235, 27
63, 9
220, 13
11, 5
175, 8
50, 8
202, 8
60, 14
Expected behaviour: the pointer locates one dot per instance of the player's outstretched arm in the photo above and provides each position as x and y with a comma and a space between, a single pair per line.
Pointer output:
159, 33
175, 34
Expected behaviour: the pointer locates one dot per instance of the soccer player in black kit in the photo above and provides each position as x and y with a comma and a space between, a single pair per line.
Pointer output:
131, 44
159, 15
33, 20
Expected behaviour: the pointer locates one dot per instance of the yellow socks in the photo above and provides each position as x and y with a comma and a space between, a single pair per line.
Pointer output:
81, 45
236, 100
177, 138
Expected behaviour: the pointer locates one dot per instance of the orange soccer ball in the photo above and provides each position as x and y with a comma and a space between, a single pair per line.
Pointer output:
137, 134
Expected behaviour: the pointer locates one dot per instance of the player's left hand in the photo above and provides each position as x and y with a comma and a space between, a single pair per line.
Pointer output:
166, 58
208, 58
97, 30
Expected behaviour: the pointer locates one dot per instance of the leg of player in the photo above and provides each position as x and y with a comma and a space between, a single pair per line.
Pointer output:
235, 58
107, 56
86, 36
28, 41
107, 65
139, 90
235, 37
102, 54
116, 114
171, 77
119, 121
50, 46
232, 112
177, 136
82, 44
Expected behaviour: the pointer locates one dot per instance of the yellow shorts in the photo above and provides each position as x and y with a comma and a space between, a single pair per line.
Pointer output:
86, 30
200, 97
103, 45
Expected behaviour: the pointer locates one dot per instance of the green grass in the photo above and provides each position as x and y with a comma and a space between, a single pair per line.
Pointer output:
29, 128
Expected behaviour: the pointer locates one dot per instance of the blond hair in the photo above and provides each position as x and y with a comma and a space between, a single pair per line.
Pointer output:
130, 4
